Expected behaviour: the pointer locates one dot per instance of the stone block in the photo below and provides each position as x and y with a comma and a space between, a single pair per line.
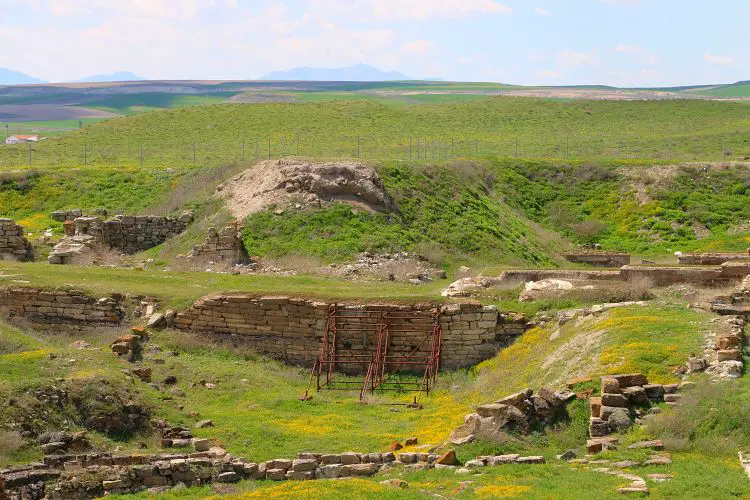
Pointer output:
293, 475
276, 474
610, 385
349, 458
630, 379
304, 464
617, 400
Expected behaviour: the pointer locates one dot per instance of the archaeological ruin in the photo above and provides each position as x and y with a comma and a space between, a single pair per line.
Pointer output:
13, 242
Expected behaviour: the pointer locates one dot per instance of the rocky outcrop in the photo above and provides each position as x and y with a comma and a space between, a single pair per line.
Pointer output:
518, 413
13, 242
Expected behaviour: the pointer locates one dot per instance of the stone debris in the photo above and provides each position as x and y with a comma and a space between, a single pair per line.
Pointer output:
621, 394
518, 413
13, 242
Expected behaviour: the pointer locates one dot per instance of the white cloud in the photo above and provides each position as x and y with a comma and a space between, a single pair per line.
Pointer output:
418, 46
401, 10
718, 60
541, 11
568, 59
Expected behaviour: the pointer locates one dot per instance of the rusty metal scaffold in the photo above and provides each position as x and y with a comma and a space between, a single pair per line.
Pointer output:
374, 356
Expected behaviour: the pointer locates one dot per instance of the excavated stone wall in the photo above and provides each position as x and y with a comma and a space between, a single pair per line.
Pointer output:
54, 310
599, 259
13, 242
291, 329
132, 234
710, 259
221, 246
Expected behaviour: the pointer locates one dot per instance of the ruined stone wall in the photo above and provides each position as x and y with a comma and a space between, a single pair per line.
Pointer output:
709, 259
53, 310
517, 276
221, 246
599, 259
132, 234
291, 329
727, 273
13, 242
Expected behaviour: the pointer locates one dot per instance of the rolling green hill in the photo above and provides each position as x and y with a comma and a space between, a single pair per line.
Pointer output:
739, 89
497, 126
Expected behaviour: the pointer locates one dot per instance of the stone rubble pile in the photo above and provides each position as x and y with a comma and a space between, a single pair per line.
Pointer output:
519, 413
722, 354
620, 396
399, 266
13, 242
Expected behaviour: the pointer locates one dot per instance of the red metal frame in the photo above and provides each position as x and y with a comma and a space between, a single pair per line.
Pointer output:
377, 328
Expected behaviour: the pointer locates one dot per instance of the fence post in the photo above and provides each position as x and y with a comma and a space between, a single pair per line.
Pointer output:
723, 149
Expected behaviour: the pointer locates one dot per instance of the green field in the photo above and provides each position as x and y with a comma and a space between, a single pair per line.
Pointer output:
128, 104
739, 89
496, 126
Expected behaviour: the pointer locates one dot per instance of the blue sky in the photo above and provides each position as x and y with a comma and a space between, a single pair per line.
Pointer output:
613, 42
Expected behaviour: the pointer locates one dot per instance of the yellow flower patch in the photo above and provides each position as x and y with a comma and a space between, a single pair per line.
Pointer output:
501, 491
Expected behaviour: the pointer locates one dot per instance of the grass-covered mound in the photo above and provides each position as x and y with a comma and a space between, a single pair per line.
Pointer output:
445, 213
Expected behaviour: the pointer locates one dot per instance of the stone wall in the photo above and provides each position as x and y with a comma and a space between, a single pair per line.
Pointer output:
291, 329
517, 276
599, 259
13, 242
709, 259
88, 236
727, 273
223, 246
54, 310
133, 233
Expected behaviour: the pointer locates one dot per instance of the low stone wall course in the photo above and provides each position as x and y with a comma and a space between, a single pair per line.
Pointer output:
599, 259
54, 309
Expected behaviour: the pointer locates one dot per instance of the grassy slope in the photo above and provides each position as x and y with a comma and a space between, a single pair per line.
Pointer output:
330, 129
562, 195
740, 89
448, 214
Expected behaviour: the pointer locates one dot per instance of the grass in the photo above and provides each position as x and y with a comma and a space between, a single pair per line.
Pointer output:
542, 128
739, 89
129, 104
179, 289
452, 209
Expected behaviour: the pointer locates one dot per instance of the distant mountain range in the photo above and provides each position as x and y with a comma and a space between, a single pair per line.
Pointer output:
10, 77
118, 76
356, 73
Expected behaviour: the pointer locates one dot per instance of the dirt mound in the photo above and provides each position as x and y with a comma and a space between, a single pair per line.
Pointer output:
302, 183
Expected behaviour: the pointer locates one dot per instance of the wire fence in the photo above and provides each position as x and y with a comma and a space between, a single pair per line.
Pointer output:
418, 148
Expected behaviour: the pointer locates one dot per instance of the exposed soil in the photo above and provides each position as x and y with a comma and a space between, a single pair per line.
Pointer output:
300, 183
